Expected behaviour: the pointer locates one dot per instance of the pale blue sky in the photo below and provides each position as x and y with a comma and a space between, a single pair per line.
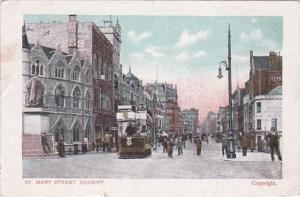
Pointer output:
189, 47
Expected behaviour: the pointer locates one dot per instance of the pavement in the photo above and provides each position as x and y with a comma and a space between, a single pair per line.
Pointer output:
210, 165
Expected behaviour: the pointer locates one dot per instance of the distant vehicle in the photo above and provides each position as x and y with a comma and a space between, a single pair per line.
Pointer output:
135, 131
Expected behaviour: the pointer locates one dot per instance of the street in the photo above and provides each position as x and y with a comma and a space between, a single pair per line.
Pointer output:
209, 165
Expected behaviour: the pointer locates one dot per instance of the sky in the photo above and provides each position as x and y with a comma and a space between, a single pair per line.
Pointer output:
186, 51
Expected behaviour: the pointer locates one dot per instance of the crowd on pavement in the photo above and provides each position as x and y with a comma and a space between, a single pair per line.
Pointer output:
177, 142
244, 142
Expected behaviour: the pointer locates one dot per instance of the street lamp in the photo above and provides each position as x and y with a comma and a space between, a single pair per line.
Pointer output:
231, 150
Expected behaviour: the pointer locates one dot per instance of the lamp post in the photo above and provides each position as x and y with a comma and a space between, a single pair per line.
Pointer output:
231, 142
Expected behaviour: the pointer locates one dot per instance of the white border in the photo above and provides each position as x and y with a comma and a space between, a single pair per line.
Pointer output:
11, 98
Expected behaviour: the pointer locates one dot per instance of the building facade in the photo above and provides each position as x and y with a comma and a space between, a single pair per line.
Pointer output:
267, 115
190, 120
87, 41
67, 91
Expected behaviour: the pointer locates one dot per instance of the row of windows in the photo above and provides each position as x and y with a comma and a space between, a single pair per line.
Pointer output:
37, 68
103, 71
276, 78
59, 98
273, 124
103, 101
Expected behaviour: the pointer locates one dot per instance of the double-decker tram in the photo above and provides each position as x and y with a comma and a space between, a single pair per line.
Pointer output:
135, 128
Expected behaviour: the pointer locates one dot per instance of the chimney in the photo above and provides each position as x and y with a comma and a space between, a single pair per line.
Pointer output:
72, 33
251, 61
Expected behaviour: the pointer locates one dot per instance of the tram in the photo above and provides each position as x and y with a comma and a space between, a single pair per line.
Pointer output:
135, 128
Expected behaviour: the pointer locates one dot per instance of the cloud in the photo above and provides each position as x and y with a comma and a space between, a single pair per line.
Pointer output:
258, 36
240, 60
182, 56
270, 44
137, 55
255, 34
138, 37
187, 39
253, 20
200, 54
154, 51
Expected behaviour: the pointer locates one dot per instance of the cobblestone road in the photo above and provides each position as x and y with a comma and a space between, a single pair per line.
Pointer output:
209, 165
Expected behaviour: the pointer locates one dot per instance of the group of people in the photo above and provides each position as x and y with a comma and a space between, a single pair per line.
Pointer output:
46, 146
104, 144
245, 143
168, 144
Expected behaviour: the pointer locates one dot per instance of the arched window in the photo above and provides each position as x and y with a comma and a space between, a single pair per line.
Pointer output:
103, 69
76, 97
59, 131
88, 100
37, 68
88, 132
75, 74
88, 76
76, 131
59, 97
59, 71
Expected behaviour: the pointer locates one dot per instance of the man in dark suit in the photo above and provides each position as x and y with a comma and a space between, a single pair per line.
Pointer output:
273, 141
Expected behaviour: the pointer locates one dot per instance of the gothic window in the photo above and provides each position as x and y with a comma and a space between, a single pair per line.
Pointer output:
88, 100
59, 132
37, 68
59, 71
76, 133
59, 96
88, 76
75, 74
89, 133
76, 97
103, 69
100, 101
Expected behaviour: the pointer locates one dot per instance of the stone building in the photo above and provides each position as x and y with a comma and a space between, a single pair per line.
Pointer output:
190, 120
66, 109
263, 91
267, 114
237, 110
131, 90
87, 41
223, 120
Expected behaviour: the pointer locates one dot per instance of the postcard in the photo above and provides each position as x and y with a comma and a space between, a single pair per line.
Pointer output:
150, 98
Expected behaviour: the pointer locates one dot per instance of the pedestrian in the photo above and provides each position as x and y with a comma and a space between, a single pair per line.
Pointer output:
198, 143
273, 141
165, 145
170, 148
46, 147
98, 143
61, 147
244, 144
252, 140
224, 144
84, 145
179, 146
